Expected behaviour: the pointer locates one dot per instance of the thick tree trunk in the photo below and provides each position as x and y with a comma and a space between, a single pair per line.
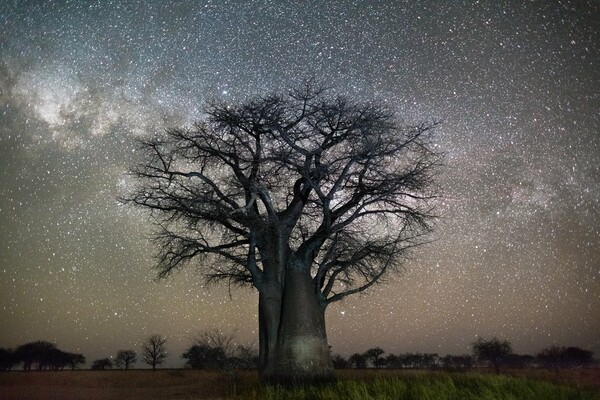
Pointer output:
293, 340
269, 313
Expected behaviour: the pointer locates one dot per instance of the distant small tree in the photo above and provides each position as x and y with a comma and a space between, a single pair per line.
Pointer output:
392, 361
375, 356
202, 356
8, 359
578, 357
519, 360
217, 339
212, 349
216, 350
429, 360
416, 360
247, 356
493, 351
102, 364
125, 358
564, 357
457, 362
357, 360
75, 360
340, 362
154, 351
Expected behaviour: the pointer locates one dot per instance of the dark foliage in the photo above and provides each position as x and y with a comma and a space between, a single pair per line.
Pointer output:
35, 354
565, 357
205, 357
125, 358
519, 361
457, 362
102, 364
340, 362
493, 352
8, 359
246, 357
75, 360
44, 355
357, 360
412, 360
215, 350
374, 355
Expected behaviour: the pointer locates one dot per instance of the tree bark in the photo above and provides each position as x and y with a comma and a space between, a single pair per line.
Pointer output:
299, 353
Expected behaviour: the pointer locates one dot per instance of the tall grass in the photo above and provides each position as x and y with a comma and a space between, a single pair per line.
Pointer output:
428, 386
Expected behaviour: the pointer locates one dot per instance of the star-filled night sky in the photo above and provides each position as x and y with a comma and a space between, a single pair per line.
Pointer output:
516, 251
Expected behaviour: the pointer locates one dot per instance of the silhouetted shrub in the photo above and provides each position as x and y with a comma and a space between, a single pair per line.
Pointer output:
339, 362
564, 357
8, 359
101, 364
357, 360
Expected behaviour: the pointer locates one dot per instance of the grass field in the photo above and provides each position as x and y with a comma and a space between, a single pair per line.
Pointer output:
353, 384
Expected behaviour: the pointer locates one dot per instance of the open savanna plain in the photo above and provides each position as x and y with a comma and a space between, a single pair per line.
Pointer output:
352, 384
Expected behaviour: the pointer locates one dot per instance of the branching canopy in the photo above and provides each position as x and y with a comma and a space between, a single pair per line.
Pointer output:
346, 185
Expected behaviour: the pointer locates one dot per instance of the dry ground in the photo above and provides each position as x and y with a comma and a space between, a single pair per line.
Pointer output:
116, 384
581, 377
192, 385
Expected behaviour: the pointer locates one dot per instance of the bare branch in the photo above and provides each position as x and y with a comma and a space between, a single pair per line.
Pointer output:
338, 186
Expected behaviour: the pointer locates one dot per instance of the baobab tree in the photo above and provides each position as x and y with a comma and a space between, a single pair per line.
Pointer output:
306, 196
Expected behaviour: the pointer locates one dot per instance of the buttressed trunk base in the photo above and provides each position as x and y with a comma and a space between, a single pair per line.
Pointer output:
301, 352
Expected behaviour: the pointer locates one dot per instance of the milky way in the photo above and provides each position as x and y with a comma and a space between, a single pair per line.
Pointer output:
516, 251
